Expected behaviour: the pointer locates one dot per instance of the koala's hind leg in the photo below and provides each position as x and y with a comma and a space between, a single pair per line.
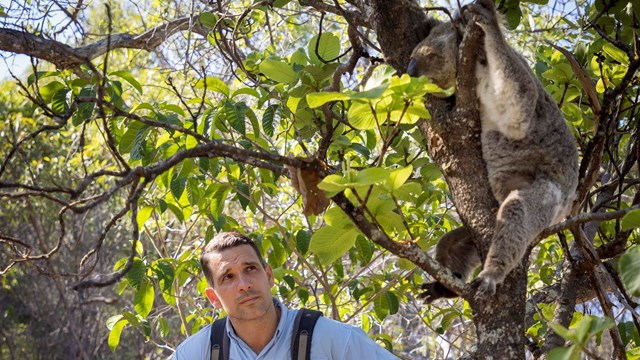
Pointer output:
457, 252
521, 217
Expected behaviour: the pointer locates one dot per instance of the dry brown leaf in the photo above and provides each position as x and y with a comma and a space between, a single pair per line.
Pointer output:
305, 181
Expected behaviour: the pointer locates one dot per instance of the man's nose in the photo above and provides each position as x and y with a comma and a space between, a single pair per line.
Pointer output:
244, 283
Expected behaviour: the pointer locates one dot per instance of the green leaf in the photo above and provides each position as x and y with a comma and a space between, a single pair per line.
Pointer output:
330, 243
40, 75
48, 91
365, 250
131, 318
243, 194
328, 48
213, 84
562, 331
381, 307
303, 238
143, 300
393, 302
631, 220
335, 217
371, 176
178, 184
114, 334
371, 94
278, 71
137, 273
398, 177
163, 327
208, 19
129, 78
236, 114
176, 211
139, 144
59, 101
629, 269
320, 98
85, 109
615, 53
112, 321
129, 137
333, 183
564, 353
361, 116
268, 119
217, 201
390, 221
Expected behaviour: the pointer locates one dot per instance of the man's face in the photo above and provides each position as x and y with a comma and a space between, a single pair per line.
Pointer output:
241, 285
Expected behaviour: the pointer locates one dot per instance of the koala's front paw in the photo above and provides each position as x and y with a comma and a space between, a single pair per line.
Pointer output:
486, 283
434, 291
481, 12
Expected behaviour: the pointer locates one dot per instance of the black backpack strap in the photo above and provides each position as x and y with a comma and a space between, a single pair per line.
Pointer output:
302, 333
219, 340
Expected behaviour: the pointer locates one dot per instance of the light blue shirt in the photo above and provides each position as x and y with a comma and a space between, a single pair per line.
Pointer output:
331, 340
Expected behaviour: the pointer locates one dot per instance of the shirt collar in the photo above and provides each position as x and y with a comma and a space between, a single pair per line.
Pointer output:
284, 314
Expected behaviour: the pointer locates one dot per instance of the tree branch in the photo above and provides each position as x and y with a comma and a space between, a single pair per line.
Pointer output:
66, 57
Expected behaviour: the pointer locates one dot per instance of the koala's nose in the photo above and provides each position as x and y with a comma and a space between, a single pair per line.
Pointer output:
412, 69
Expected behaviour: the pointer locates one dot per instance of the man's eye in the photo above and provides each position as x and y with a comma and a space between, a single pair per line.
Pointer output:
227, 277
251, 268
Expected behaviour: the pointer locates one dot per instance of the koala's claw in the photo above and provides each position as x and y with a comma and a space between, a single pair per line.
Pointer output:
481, 12
485, 286
486, 282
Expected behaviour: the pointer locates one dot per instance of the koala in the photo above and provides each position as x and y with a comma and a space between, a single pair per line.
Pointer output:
529, 151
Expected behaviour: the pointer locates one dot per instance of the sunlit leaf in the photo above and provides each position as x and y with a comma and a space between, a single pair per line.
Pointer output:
333, 183
371, 176
236, 115
114, 335
129, 78
59, 101
213, 84
631, 220
330, 243
398, 177
269, 118
208, 19
361, 116
278, 71
137, 273
325, 50
320, 98
629, 270
335, 217
564, 353
143, 300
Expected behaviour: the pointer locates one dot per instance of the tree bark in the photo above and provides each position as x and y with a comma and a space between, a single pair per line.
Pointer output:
453, 138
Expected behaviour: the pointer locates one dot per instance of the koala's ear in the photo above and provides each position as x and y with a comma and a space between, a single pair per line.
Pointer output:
423, 30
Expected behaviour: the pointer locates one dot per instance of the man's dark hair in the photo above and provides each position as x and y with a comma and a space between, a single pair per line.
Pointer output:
223, 241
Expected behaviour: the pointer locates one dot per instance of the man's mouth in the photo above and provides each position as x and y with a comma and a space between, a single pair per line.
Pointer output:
248, 299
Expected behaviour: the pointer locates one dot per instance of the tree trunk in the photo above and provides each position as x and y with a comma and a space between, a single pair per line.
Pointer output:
453, 138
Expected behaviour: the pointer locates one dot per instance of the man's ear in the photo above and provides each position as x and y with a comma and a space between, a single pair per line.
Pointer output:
269, 271
213, 298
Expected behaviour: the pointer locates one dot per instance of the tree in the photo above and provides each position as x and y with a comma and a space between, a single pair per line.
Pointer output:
130, 148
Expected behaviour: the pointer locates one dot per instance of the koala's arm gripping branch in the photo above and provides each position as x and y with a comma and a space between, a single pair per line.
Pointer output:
468, 52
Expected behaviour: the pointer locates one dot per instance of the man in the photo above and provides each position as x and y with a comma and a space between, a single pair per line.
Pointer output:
258, 325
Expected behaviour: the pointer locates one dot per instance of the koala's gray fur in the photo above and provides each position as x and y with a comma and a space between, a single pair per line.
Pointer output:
532, 161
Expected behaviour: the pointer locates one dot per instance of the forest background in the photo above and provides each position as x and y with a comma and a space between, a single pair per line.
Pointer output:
139, 129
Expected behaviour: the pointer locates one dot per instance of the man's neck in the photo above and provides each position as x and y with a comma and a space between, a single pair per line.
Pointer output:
257, 333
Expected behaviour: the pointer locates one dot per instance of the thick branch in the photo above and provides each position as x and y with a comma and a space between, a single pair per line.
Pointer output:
65, 57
